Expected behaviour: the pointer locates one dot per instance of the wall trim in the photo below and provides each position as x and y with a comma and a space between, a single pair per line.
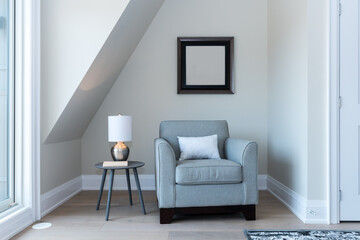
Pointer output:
308, 211
295, 202
36, 106
317, 212
57, 196
334, 114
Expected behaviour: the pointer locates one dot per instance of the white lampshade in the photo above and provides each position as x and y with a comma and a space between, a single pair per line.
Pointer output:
120, 129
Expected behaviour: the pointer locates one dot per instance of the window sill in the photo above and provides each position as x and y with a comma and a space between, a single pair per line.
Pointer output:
19, 218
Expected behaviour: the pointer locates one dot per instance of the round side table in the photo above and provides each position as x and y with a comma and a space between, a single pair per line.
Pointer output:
131, 165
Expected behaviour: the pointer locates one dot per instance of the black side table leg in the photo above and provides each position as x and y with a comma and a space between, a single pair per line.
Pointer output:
109, 195
101, 188
128, 185
139, 190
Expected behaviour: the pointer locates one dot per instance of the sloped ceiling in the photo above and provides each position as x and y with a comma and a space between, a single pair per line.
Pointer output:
104, 71
72, 34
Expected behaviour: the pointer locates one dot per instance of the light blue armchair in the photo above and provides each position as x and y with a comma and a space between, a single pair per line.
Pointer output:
195, 186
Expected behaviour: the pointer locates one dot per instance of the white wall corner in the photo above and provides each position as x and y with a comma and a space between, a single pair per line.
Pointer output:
57, 196
333, 171
308, 211
292, 200
262, 181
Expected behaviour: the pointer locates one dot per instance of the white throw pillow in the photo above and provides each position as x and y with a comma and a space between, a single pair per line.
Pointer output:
198, 147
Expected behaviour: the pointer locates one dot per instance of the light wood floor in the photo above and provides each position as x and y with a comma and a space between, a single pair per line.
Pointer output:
78, 219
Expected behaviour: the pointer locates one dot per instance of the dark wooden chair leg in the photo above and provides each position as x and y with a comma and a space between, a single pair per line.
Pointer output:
249, 212
166, 215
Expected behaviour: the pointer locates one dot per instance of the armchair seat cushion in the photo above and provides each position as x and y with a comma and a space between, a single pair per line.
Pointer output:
209, 171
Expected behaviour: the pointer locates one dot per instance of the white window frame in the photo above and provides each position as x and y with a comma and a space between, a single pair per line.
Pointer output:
27, 120
5, 205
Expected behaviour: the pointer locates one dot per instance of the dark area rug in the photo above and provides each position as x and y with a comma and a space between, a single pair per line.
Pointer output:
302, 235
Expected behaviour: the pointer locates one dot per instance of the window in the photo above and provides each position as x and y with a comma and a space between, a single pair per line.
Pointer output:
6, 106
19, 115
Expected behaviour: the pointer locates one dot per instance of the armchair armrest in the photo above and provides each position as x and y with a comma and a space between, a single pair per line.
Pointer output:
240, 150
165, 173
246, 153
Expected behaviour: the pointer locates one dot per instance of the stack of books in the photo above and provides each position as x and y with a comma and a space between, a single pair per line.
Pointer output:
115, 163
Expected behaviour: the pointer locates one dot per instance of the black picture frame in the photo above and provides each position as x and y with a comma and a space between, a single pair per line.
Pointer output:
224, 85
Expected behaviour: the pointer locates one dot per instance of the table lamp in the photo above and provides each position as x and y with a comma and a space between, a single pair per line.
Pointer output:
119, 131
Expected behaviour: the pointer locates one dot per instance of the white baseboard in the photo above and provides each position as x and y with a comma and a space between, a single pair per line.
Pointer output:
295, 202
57, 196
317, 212
92, 182
308, 211
262, 182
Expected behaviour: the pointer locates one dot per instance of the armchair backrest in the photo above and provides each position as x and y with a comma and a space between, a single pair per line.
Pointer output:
170, 130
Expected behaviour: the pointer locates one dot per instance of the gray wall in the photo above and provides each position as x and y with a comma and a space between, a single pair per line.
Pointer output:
146, 88
60, 162
72, 34
287, 91
104, 69
297, 95
318, 99
280, 99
